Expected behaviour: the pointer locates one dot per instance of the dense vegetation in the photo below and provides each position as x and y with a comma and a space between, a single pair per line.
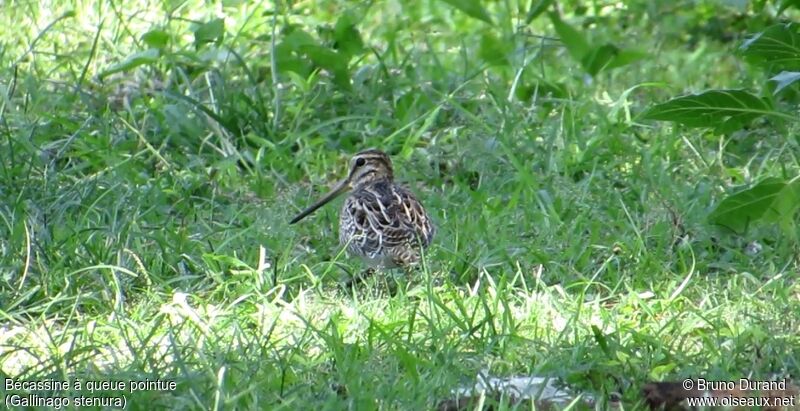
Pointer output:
615, 186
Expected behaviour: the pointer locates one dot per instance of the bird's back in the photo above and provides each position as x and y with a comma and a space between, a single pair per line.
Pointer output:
385, 224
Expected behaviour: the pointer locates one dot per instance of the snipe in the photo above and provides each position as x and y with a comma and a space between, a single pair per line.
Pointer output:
381, 221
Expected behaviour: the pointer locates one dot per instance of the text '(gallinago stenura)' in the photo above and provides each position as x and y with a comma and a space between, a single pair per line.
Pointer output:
381, 221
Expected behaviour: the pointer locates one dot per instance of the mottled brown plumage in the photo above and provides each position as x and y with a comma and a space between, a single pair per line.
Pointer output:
381, 221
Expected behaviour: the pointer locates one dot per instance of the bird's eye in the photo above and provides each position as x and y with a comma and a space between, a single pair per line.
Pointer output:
360, 162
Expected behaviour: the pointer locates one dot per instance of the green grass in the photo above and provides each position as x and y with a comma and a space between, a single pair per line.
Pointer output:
144, 218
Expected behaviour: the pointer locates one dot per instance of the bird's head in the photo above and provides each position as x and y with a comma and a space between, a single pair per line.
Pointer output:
366, 167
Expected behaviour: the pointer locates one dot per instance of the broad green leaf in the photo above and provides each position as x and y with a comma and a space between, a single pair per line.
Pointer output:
348, 39
785, 4
472, 8
625, 57
209, 32
785, 206
660, 372
740, 210
225, 259
593, 58
148, 56
537, 8
541, 88
335, 63
711, 108
576, 44
298, 38
733, 124
493, 50
785, 79
299, 43
157, 39
608, 57
778, 46
599, 58
601, 339
288, 59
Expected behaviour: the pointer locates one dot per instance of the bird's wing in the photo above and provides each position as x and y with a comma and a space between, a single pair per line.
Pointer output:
415, 215
381, 217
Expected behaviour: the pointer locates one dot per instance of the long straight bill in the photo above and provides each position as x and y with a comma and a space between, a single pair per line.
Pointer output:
339, 189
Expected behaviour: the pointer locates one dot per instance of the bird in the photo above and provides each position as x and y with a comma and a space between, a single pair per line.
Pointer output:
381, 221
